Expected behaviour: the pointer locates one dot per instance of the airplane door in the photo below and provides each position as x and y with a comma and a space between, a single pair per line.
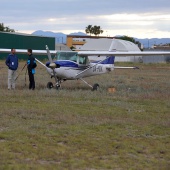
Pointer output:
83, 60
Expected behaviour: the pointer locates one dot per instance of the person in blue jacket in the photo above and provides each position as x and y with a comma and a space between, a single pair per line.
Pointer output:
12, 63
31, 64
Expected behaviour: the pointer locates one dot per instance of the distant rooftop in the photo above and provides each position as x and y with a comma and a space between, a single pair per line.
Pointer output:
161, 47
88, 36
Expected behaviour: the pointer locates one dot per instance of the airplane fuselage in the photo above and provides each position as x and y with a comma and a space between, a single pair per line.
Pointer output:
71, 70
71, 66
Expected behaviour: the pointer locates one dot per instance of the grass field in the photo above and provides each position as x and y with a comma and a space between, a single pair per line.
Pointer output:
75, 128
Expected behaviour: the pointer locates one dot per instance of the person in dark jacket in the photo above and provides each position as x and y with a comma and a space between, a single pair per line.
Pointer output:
12, 63
31, 64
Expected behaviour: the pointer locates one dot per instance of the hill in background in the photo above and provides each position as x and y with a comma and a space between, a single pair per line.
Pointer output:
61, 38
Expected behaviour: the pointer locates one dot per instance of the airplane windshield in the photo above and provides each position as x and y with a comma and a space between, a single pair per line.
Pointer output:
67, 56
72, 56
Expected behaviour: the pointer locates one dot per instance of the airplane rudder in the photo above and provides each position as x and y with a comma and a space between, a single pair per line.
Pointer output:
109, 60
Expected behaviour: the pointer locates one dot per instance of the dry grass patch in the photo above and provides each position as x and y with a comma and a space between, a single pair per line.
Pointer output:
75, 128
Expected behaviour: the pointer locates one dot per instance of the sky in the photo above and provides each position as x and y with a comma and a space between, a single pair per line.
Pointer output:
135, 18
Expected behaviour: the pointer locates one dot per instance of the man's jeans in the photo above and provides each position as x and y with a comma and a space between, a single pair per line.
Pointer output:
11, 79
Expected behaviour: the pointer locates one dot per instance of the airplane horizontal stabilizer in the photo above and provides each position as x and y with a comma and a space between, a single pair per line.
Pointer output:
117, 67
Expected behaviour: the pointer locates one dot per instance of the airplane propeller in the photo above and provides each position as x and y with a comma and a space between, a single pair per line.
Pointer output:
52, 64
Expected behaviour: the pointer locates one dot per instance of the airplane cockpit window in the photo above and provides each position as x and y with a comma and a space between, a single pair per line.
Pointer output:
83, 60
72, 56
67, 56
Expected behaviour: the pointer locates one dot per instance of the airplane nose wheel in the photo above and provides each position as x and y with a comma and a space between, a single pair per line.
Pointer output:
50, 85
95, 87
57, 87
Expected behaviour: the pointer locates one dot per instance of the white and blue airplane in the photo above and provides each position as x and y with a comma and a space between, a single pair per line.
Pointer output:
74, 65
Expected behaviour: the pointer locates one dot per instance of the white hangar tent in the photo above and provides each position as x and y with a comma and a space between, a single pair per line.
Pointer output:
104, 44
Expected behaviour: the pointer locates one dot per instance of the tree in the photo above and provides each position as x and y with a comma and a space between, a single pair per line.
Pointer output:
72, 48
88, 29
96, 30
131, 39
127, 38
5, 29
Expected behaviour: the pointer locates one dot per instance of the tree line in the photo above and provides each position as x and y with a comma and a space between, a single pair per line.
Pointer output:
5, 29
96, 30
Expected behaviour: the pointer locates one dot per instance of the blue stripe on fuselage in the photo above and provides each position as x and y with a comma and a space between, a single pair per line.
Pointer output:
64, 63
109, 60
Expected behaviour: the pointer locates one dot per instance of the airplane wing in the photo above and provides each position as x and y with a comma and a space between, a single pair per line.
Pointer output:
128, 53
36, 52
93, 53
21, 51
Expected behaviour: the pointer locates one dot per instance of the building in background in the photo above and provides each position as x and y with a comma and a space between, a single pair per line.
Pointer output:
103, 44
77, 41
25, 41
162, 47
61, 47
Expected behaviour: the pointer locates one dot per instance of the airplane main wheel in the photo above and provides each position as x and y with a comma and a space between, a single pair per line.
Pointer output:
49, 85
95, 87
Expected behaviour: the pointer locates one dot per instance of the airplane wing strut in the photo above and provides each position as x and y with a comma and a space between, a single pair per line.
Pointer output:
91, 67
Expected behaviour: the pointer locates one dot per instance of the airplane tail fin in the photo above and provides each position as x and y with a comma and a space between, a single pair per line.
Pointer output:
109, 60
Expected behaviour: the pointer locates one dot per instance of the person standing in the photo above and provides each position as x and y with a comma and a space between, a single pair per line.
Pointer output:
12, 63
31, 64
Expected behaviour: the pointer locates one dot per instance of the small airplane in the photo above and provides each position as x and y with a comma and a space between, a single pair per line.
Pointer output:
72, 65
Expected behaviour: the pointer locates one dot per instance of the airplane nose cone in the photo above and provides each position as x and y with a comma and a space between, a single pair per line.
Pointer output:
52, 65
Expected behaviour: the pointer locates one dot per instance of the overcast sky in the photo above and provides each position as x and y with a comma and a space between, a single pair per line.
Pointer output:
136, 18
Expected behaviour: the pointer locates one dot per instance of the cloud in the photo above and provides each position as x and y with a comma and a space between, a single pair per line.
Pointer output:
65, 15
